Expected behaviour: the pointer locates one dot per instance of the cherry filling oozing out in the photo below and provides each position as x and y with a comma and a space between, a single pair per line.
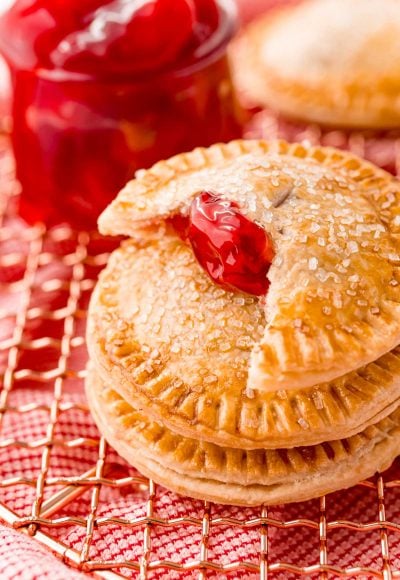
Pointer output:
234, 251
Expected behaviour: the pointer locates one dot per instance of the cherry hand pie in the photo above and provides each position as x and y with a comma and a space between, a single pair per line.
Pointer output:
333, 62
244, 339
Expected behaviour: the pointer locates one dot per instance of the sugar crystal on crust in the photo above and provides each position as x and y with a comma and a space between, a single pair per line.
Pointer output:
331, 239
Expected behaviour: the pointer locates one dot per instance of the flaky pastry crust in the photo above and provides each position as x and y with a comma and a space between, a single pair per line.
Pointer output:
172, 342
204, 470
333, 62
334, 300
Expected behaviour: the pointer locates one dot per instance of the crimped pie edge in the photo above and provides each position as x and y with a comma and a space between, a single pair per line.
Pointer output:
271, 366
205, 471
330, 105
377, 184
269, 419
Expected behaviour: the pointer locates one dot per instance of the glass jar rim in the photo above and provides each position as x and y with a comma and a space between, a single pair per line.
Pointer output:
210, 52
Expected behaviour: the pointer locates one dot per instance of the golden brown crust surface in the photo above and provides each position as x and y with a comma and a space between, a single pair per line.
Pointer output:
333, 302
175, 344
204, 470
334, 62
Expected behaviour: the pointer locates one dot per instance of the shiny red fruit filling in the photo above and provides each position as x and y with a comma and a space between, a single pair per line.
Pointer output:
234, 251
107, 36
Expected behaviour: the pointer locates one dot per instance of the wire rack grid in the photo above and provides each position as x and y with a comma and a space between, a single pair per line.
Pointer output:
42, 354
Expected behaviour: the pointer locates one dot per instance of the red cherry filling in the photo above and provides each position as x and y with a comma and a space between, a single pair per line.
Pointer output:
234, 251
207, 19
143, 37
107, 36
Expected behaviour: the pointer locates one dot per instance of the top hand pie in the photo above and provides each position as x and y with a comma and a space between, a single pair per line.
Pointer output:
302, 358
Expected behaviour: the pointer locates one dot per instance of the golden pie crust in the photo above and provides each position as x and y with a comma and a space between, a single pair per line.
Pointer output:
317, 359
204, 470
177, 345
334, 62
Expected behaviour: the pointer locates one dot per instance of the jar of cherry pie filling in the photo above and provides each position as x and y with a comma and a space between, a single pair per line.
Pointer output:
103, 88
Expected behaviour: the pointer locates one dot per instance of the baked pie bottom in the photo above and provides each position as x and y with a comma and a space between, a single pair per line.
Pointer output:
226, 475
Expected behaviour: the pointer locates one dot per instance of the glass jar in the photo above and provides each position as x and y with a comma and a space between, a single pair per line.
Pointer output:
78, 138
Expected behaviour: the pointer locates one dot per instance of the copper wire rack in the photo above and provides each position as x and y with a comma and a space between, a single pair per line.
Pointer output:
24, 253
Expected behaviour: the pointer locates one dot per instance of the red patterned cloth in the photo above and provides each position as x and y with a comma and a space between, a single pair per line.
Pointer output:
379, 147
296, 545
24, 559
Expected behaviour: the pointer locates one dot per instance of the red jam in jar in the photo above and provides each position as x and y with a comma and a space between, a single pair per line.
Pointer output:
105, 87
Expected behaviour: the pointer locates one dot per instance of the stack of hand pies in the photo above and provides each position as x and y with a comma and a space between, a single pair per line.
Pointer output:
244, 340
